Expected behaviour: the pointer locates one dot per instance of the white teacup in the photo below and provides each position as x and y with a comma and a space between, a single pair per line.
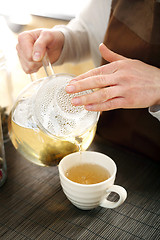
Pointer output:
88, 196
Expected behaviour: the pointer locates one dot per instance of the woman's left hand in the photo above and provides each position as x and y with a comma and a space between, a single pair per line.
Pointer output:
122, 83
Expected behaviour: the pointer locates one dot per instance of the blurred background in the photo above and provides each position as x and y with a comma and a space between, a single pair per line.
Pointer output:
20, 15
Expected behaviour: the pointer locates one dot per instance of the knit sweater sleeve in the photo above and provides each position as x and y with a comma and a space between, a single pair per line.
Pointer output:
85, 32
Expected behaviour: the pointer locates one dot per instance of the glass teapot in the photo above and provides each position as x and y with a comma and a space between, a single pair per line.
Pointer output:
44, 126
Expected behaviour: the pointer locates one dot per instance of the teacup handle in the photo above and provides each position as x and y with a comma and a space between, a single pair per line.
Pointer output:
47, 67
122, 197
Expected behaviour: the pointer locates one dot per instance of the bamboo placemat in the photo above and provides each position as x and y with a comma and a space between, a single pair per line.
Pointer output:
33, 206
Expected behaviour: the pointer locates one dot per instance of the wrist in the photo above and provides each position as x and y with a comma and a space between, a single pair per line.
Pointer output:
157, 89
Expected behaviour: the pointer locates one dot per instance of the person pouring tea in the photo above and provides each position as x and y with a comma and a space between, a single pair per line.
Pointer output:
126, 75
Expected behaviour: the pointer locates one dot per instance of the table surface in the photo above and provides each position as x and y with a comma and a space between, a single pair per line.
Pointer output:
33, 205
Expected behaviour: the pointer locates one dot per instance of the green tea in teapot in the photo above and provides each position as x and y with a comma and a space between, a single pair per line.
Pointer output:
44, 126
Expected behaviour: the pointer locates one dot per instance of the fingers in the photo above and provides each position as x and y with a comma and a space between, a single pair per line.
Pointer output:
106, 69
110, 104
33, 44
29, 66
96, 78
99, 96
110, 68
24, 48
77, 84
93, 82
31, 48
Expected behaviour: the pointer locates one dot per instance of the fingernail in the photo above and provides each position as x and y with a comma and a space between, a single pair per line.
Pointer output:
76, 101
70, 88
37, 56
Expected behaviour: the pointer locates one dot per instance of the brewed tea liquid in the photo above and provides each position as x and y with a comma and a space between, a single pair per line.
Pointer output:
87, 173
43, 149
44, 126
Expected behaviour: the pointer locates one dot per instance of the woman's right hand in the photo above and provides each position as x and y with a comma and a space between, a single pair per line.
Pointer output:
32, 46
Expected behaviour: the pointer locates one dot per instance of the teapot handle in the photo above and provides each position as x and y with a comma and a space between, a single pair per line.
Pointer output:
47, 67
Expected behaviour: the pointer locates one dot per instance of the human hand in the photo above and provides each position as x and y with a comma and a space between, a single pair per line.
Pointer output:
123, 83
32, 46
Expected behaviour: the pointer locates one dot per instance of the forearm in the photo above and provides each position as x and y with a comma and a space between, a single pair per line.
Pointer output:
76, 45
84, 34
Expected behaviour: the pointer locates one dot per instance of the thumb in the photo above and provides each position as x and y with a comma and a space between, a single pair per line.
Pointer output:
38, 51
109, 55
40, 46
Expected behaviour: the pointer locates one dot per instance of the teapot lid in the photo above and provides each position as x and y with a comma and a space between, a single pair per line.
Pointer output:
54, 112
